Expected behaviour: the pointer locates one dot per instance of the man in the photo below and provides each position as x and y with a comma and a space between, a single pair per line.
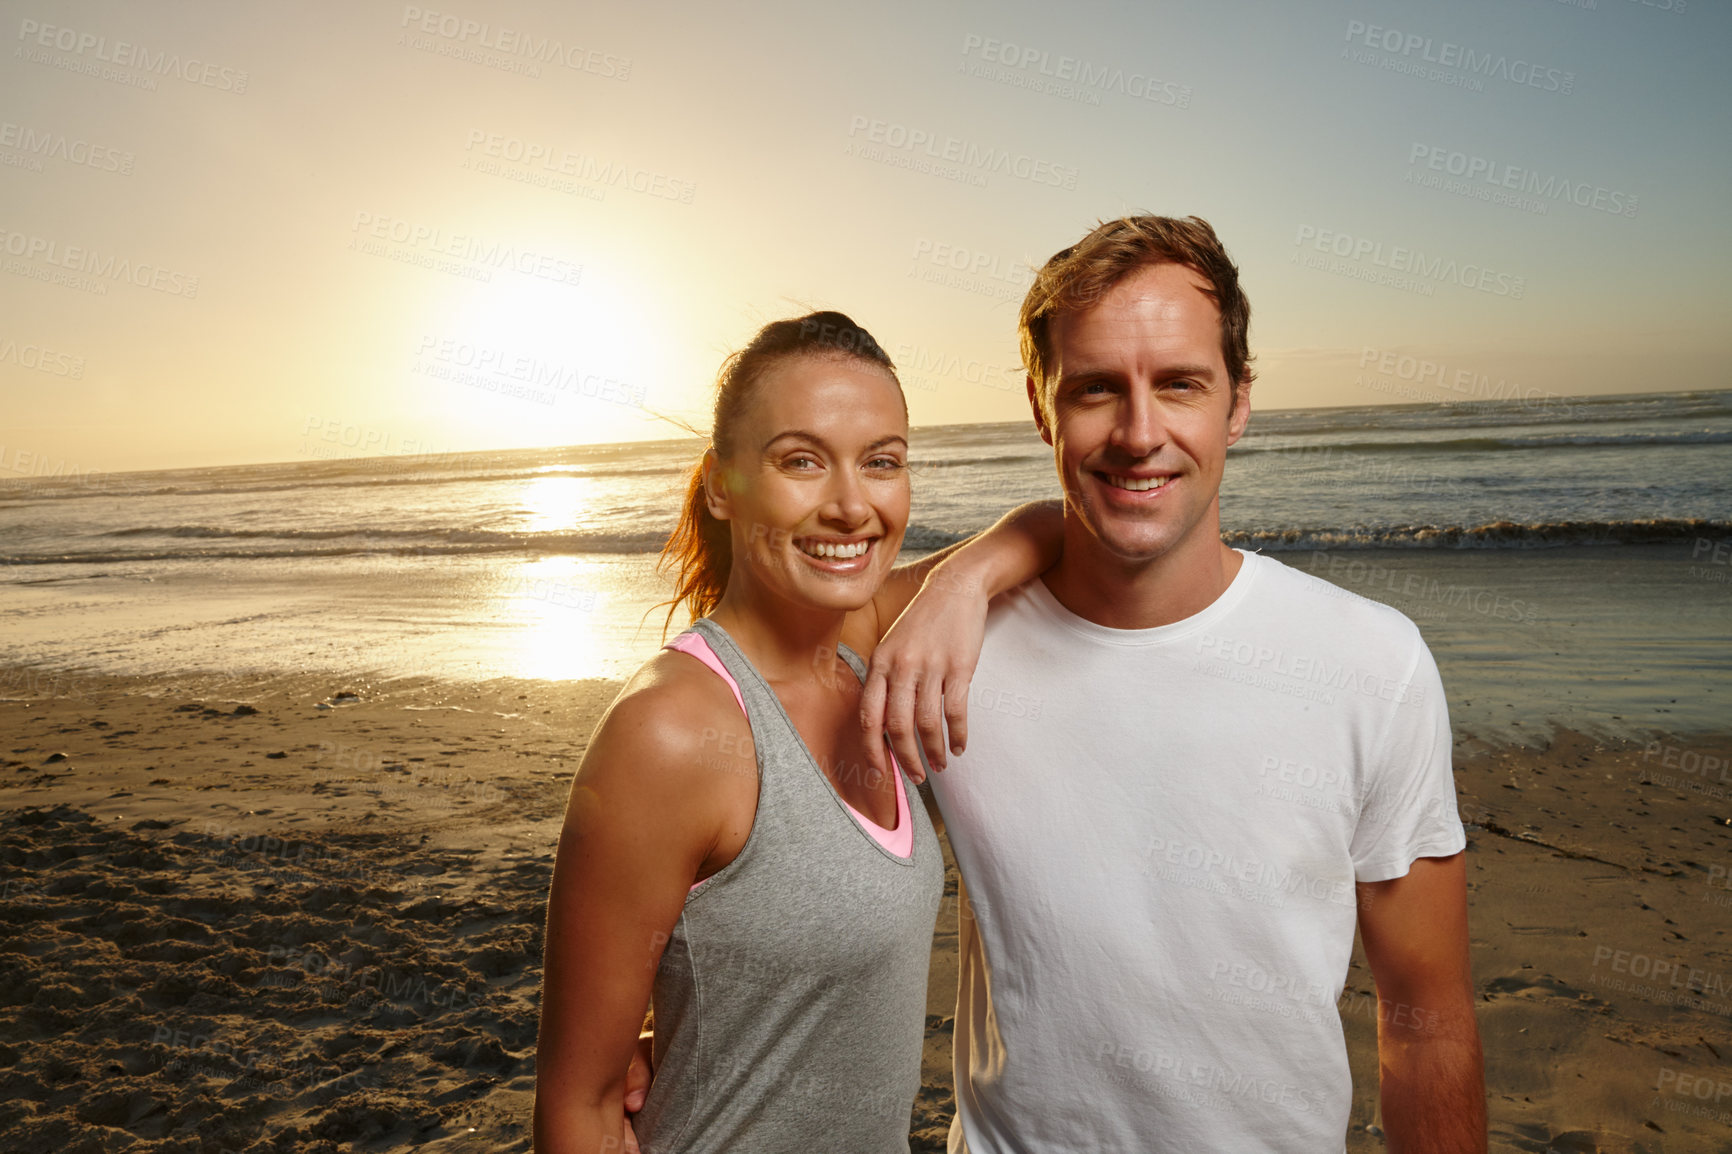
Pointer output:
1189, 769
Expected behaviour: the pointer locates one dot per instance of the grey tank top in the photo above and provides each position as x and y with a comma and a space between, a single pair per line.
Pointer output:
790, 1005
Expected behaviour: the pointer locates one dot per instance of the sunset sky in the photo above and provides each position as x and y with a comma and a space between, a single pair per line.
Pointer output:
231, 232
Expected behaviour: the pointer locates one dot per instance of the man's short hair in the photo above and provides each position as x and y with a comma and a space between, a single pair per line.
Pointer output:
1076, 279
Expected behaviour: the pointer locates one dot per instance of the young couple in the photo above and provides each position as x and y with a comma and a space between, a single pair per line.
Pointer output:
1225, 768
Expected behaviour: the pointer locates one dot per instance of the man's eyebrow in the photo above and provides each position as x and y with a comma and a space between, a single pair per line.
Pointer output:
1172, 372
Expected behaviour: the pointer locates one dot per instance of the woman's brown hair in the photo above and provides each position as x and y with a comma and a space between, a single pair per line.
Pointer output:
700, 550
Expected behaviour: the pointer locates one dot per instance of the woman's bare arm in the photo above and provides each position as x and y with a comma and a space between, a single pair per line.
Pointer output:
649, 809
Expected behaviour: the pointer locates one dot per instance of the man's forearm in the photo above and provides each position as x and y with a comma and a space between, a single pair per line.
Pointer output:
1432, 1081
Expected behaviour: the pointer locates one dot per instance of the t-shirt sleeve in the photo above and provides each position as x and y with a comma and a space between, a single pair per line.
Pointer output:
1409, 809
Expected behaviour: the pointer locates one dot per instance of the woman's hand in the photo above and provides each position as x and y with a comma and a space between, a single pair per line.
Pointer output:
917, 684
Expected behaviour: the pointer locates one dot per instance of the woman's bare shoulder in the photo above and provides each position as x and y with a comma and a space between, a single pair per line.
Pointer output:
673, 723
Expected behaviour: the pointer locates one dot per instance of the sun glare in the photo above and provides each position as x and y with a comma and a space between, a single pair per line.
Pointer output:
534, 361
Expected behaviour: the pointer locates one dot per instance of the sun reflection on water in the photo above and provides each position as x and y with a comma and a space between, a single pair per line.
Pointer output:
549, 605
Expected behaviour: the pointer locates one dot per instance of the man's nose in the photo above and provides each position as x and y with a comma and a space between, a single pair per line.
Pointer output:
1140, 428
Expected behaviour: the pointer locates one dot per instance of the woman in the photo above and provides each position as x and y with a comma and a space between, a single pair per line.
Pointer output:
727, 847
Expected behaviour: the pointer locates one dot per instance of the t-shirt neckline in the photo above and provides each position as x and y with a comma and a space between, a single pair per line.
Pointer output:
1235, 592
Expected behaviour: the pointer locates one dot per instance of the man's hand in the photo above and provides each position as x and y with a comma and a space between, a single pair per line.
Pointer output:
917, 684
1432, 1073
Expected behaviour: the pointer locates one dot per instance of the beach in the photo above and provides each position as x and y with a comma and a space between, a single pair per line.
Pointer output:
235, 920
284, 751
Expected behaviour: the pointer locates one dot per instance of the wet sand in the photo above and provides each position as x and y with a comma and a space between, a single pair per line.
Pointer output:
233, 920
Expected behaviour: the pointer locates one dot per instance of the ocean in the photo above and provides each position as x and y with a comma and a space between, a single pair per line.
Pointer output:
1569, 560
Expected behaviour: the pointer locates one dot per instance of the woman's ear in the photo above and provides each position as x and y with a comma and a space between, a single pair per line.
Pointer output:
716, 495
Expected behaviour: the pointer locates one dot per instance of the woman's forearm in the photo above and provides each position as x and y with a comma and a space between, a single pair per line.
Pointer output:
1020, 546
574, 1129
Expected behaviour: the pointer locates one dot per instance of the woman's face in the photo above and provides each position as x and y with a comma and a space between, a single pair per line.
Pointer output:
816, 486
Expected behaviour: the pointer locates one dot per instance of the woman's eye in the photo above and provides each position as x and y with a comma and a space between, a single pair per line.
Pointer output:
802, 463
884, 464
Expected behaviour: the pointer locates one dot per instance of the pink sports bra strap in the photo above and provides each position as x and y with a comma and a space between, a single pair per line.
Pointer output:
899, 841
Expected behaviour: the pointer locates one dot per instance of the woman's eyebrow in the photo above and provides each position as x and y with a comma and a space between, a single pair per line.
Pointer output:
814, 438
795, 435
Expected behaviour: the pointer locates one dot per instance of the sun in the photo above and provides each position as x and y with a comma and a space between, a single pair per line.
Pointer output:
529, 361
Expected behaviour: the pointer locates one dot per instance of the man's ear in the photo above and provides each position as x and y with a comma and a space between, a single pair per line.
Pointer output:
1034, 403
1241, 413
717, 497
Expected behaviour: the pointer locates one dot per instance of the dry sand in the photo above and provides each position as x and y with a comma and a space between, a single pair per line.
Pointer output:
232, 920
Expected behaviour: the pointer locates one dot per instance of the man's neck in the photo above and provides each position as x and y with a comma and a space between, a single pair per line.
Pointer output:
1108, 590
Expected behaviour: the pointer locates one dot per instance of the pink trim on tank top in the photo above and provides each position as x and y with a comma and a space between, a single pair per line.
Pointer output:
898, 841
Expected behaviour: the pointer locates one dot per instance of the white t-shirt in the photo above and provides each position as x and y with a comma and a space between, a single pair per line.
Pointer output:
1159, 831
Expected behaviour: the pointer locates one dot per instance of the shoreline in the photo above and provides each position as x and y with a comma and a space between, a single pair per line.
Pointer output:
250, 918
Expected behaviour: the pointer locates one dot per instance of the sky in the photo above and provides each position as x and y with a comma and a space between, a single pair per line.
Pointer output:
235, 233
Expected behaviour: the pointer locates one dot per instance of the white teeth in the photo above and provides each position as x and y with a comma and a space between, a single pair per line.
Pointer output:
836, 552
1136, 484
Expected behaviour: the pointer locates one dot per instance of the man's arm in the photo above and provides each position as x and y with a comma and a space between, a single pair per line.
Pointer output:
1431, 1070
917, 685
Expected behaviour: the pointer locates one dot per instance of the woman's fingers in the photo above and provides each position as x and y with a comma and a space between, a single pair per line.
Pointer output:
956, 711
929, 719
873, 697
638, 1075
900, 725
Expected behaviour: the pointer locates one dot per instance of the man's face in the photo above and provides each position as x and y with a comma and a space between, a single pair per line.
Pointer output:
1142, 413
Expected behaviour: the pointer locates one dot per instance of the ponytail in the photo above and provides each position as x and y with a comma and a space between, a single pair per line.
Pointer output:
700, 551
